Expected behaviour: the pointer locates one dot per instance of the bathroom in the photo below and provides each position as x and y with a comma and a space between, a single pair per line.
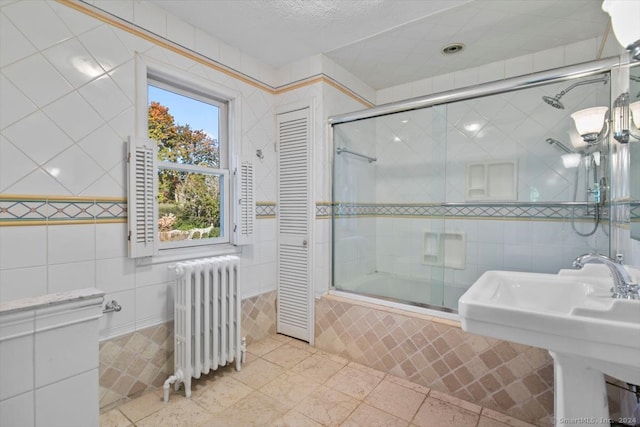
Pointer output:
63, 196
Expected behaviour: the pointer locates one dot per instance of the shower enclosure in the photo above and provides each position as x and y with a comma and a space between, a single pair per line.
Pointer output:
430, 194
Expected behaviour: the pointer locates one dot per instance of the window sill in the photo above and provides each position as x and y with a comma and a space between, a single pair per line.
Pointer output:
185, 254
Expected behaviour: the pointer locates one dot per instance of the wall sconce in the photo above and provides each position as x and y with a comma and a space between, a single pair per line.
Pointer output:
624, 20
589, 123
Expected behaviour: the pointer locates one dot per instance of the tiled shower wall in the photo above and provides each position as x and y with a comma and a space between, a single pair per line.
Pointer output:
510, 378
136, 362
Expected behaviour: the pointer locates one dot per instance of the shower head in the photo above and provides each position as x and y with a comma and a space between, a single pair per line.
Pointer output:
553, 101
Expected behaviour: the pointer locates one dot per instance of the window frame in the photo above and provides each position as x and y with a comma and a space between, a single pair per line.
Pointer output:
221, 171
150, 71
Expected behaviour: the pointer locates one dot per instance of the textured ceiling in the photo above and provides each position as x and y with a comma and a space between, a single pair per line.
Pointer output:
390, 42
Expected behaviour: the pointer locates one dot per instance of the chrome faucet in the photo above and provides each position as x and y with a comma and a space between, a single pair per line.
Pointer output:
623, 286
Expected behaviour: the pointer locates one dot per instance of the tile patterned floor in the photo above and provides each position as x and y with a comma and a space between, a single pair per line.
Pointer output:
286, 382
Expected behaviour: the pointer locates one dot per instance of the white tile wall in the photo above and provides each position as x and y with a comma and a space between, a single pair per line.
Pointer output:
23, 247
29, 133
14, 45
37, 79
14, 105
40, 24
152, 304
71, 275
16, 367
68, 89
22, 283
63, 352
55, 408
18, 411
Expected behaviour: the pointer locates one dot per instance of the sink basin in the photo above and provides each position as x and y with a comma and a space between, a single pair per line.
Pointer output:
567, 313
573, 315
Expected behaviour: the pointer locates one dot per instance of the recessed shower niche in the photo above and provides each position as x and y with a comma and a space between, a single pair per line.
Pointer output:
446, 249
493, 181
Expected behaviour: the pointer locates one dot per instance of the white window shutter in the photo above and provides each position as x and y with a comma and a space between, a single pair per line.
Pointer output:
246, 208
143, 197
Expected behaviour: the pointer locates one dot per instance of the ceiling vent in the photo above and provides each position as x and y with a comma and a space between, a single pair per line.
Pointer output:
452, 48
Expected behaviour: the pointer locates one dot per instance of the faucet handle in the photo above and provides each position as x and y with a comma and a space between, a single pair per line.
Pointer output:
619, 258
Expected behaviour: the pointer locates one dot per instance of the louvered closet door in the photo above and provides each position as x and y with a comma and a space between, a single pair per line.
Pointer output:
294, 311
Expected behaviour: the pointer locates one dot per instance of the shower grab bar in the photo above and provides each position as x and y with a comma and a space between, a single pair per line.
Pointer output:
341, 150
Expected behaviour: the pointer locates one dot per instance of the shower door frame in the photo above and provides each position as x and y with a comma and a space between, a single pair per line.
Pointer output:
618, 66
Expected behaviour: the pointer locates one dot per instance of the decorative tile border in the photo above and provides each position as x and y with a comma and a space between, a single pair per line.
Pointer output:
43, 210
47, 210
60, 210
265, 210
323, 210
480, 210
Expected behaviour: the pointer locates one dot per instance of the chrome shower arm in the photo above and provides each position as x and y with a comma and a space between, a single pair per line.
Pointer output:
604, 79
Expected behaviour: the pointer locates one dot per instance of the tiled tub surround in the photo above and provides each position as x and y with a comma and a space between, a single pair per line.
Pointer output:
141, 361
49, 359
507, 377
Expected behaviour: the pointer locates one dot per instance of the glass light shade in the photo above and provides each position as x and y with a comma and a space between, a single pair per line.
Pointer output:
589, 120
571, 160
634, 107
625, 16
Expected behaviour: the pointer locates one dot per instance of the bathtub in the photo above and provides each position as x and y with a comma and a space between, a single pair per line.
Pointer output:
432, 297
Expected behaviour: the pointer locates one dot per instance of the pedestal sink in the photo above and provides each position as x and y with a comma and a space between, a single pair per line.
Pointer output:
572, 314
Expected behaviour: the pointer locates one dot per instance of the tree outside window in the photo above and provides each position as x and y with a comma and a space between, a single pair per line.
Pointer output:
189, 202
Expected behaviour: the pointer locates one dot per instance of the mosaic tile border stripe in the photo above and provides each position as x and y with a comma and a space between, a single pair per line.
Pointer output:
40, 210
25, 210
323, 209
480, 210
265, 210
43, 210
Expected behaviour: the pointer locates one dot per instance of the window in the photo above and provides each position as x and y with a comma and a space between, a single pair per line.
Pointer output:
181, 174
192, 176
